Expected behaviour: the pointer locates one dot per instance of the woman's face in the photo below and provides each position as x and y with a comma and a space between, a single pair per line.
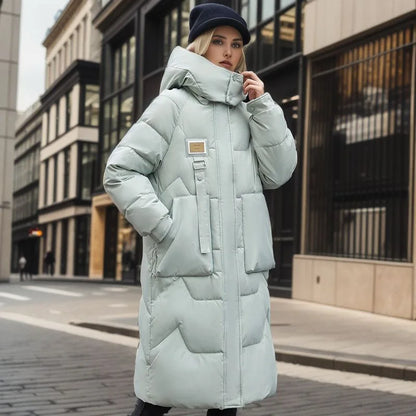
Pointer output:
226, 47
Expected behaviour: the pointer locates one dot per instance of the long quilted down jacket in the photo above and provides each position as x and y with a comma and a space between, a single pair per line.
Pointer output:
189, 176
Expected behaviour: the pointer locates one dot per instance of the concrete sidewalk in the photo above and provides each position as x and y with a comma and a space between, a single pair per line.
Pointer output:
323, 336
330, 337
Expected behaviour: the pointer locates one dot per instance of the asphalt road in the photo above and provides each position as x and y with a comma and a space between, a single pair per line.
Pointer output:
48, 367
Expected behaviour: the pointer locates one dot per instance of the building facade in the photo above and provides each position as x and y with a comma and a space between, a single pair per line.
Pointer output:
358, 209
137, 39
9, 53
70, 108
26, 234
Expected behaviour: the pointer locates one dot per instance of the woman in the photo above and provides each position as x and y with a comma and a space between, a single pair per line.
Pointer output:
189, 177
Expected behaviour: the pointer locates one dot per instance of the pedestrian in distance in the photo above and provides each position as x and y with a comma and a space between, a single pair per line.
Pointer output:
189, 176
22, 267
50, 263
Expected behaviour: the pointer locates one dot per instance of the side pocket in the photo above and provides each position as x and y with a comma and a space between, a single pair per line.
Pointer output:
175, 189
179, 254
257, 234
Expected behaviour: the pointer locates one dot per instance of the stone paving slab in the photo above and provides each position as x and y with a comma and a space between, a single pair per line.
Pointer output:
47, 372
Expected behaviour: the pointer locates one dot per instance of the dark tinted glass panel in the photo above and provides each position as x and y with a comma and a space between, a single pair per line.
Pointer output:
266, 44
132, 57
359, 202
287, 30
88, 158
81, 249
91, 105
126, 109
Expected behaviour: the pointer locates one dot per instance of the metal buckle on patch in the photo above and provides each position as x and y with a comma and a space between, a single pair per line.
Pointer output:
199, 164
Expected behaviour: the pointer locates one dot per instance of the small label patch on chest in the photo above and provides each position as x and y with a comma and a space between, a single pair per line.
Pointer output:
196, 147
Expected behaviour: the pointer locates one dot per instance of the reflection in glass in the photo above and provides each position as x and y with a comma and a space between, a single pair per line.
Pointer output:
132, 59
126, 108
285, 3
166, 39
186, 7
359, 146
91, 105
250, 51
82, 246
106, 126
116, 73
173, 29
114, 124
267, 9
266, 44
123, 69
287, 33
252, 14
67, 168
88, 158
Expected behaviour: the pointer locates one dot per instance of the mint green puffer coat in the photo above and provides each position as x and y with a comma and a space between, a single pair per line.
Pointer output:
189, 176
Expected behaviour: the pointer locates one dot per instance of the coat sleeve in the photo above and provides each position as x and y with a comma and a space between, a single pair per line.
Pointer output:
272, 141
138, 155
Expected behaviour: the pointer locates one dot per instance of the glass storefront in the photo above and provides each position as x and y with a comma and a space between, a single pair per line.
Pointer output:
359, 174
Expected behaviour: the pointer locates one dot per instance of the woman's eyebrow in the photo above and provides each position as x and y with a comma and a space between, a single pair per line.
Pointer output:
224, 37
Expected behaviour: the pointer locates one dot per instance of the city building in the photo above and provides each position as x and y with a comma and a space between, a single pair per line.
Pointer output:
9, 53
344, 73
137, 39
70, 110
358, 195
25, 227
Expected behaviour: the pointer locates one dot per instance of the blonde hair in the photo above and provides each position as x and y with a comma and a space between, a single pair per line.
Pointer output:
201, 44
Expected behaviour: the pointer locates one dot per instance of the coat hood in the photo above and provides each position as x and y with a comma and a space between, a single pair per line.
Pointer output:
204, 79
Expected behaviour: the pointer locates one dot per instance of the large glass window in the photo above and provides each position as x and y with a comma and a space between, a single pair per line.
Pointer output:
27, 160
272, 26
81, 248
64, 245
67, 168
88, 157
176, 27
55, 178
91, 104
57, 119
25, 205
358, 154
118, 102
45, 182
68, 99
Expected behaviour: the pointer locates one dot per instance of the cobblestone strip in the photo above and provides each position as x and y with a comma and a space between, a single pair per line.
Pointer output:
53, 373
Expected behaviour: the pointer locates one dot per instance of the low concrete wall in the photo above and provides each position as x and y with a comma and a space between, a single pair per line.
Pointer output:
379, 287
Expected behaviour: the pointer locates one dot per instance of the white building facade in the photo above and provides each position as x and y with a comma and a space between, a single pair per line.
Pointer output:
69, 138
9, 52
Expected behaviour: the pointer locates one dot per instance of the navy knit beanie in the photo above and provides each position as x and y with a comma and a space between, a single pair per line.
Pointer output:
209, 15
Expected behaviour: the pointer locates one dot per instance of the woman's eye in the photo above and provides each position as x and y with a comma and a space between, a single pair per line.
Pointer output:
236, 45
217, 42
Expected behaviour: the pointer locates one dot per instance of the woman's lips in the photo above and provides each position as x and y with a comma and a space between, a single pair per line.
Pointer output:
227, 64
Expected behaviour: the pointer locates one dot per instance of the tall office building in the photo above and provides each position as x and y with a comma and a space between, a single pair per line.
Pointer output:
9, 53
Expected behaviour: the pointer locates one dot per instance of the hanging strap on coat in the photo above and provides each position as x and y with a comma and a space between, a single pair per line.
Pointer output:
202, 200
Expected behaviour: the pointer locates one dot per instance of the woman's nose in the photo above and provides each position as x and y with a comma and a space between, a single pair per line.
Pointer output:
227, 51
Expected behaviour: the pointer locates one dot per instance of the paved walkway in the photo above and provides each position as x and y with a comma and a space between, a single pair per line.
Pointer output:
331, 337
328, 337
56, 371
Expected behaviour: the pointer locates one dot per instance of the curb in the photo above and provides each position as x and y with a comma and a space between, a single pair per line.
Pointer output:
320, 360
374, 368
78, 279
